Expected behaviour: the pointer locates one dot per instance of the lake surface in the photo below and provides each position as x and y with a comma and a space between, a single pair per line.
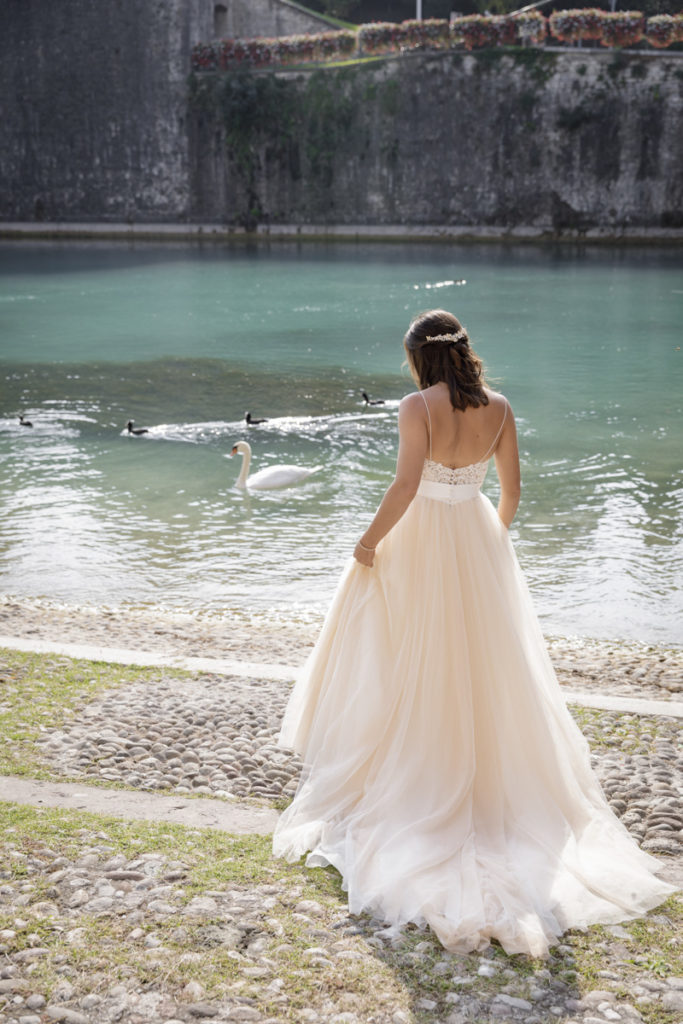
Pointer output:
585, 342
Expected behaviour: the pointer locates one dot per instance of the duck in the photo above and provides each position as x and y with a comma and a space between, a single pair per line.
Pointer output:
371, 401
24, 423
251, 422
272, 476
136, 430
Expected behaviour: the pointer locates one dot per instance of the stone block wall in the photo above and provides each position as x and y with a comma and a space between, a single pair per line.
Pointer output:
93, 102
93, 107
101, 121
240, 20
552, 140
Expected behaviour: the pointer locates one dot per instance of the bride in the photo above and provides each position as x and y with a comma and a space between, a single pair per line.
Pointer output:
443, 775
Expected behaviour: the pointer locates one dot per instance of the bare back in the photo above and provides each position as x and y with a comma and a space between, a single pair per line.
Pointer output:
429, 428
457, 438
461, 438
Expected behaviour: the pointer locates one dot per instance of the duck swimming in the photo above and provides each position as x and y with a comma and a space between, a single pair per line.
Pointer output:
272, 476
371, 401
24, 423
251, 421
136, 430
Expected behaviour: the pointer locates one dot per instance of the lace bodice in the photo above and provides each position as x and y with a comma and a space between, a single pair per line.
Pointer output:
473, 474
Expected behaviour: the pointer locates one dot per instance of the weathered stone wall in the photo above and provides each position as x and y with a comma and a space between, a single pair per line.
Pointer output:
553, 140
93, 107
93, 102
99, 124
243, 20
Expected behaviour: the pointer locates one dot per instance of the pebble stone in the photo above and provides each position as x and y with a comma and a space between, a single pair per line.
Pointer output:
218, 736
615, 667
480, 987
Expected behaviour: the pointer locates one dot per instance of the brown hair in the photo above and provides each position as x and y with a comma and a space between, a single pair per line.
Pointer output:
438, 349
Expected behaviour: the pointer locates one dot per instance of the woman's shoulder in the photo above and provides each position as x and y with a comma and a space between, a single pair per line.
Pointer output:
412, 410
497, 400
412, 402
418, 399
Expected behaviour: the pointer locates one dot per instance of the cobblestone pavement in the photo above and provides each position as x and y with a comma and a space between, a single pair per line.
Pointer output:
92, 935
217, 735
214, 736
178, 926
636, 670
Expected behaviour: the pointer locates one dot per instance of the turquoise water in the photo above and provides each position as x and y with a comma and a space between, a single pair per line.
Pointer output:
183, 340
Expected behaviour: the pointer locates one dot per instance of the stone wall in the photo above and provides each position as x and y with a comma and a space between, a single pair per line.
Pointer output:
93, 107
101, 121
243, 20
93, 103
552, 140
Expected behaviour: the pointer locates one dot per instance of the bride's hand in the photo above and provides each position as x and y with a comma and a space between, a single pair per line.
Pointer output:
365, 556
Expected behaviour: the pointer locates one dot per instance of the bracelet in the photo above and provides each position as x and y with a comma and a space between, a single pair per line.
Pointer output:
364, 548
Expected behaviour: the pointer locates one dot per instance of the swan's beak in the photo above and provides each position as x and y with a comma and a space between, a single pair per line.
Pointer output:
234, 450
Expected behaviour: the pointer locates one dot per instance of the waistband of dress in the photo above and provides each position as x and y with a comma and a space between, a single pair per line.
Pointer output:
451, 494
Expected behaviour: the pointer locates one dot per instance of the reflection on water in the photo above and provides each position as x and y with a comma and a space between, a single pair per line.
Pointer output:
184, 341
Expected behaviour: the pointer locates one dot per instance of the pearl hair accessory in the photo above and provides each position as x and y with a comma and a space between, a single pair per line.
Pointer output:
458, 336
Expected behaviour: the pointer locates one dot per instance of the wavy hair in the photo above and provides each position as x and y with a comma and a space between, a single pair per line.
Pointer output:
438, 349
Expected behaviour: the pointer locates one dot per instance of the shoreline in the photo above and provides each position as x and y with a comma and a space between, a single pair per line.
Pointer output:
614, 667
352, 233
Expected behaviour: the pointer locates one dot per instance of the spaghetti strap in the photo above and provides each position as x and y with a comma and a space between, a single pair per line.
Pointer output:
500, 431
429, 418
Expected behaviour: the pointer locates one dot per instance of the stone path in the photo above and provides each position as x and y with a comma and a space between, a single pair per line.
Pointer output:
153, 659
234, 817
617, 668
215, 735
91, 934
288, 673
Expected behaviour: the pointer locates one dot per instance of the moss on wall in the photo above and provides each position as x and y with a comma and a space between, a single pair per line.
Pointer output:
502, 137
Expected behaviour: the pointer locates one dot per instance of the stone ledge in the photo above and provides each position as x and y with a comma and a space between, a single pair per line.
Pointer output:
289, 673
139, 231
234, 817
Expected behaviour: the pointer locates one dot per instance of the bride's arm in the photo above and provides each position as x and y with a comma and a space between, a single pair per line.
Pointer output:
507, 468
412, 451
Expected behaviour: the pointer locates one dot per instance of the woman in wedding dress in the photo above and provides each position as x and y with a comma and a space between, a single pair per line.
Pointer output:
443, 776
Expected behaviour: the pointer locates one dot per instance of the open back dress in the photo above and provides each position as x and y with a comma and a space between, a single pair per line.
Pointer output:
443, 776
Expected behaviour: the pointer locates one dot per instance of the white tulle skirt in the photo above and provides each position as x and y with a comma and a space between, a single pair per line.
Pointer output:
443, 775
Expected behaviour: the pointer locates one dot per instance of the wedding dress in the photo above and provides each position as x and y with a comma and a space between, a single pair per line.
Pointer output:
443, 776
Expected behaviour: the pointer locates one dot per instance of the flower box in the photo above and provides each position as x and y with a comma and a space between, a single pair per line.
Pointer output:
475, 30
380, 37
432, 33
664, 29
532, 27
622, 28
573, 24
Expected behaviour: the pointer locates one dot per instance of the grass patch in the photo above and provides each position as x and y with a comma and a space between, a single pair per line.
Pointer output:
40, 692
653, 948
329, 18
627, 733
28, 827
342, 62
108, 950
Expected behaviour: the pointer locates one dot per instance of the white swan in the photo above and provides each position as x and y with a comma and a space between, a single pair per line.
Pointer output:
272, 476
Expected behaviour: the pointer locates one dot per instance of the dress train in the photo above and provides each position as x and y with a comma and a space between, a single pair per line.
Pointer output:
443, 776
